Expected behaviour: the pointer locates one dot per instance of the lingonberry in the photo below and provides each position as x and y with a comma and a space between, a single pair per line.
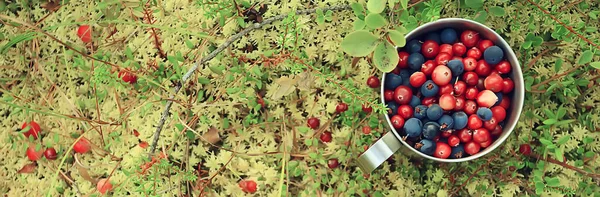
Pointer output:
367, 108
417, 79
332, 163
32, 154
442, 58
471, 93
341, 107
491, 124
429, 101
388, 95
447, 89
326, 137
366, 130
430, 49
442, 150
496, 131
397, 121
373, 82
469, 38
453, 140
483, 68
481, 135
474, 53
84, 32
441, 75
82, 146
487, 98
405, 111
447, 102
127, 76
465, 135
459, 49
447, 133
470, 107
248, 186
459, 88
507, 85
403, 59
313, 123
485, 144
50, 153
403, 94
470, 78
499, 113
472, 148
474, 122
503, 67
480, 85
470, 63
525, 149
460, 103
446, 48
428, 67
33, 130
494, 82
484, 44
505, 103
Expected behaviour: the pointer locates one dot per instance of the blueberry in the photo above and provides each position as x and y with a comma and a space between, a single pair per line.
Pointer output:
420, 111
493, 55
429, 88
392, 81
394, 108
446, 122
415, 60
457, 67
433, 36
413, 127
499, 95
413, 46
405, 74
448, 36
484, 113
430, 130
435, 112
415, 101
460, 120
457, 152
426, 146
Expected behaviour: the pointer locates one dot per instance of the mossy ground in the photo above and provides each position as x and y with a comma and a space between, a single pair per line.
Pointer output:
71, 94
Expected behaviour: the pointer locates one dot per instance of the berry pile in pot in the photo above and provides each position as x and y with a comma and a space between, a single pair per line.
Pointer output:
448, 97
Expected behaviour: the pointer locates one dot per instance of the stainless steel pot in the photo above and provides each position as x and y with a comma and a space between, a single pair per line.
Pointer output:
387, 145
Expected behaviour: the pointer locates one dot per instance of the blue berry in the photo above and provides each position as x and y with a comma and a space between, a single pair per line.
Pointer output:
426, 146
415, 101
413, 46
405, 74
430, 130
420, 112
446, 122
484, 113
429, 88
433, 36
413, 127
460, 120
392, 81
457, 67
434, 112
457, 152
448, 36
499, 95
393, 106
493, 55
415, 61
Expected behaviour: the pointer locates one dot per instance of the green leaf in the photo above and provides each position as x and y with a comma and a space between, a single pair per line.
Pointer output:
179, 127
385, 57
203, 80
358, 24
392, 3
595, 65
549, 113
312, 155
475, 4
190, 135
546, 142
375, 21
497, 11
397, 37
359, 43
404, 4
550, 121
552, 182
563, 140
303, 129
217, 69
526, 44
481, 16
558, 65
358, 10
308, 141
402, 29
376, 6
586, 57
558, 153
561, 112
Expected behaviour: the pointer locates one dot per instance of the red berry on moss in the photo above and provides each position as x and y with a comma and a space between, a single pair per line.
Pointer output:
85, 33
326, 137
34, 129
332, 163
82, 146
341, 107
248, 186
366, 130
50, 153
104, 185
525, 149
127, 76
373, 82
32, 154
313, 123
367, 108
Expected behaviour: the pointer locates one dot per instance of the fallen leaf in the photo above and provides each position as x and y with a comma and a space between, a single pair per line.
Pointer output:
51, 6
28, 168
355, 61
136, 133
306, 81
212, 136
143, 144
83, 172
286, 85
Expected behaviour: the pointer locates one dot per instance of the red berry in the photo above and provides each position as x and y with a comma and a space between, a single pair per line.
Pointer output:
127, 76
453, 140
396, 70
441, 75
442, 150
470, 107
481, 135
470, 63
457, 58
447, 133
470, 78
332, 163
446, 48
503, 67
472, 148
447, 102
403, 94
417, 79
85, 33
443, 58
490, 124
474, 122
82, 146
498, 113
446, 89
428, 67
34, 129
507, 85
248, 186
50, 153
341, 107
483, 68
388, 95
471, 93
367, 108
430, 49
497, 131
474, 53
405, 111
397, 121
429, 101
485, 144
494, 82
366, 130
313, 123
373, 82
32, 154
460, 103
465, 135
326, 137
484, 44
480, 83
525, 149
403, 62
505, 103
469, 38
487, 98
459, 49
104, 186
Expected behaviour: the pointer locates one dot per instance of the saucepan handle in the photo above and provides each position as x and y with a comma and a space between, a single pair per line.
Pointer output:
379, 152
